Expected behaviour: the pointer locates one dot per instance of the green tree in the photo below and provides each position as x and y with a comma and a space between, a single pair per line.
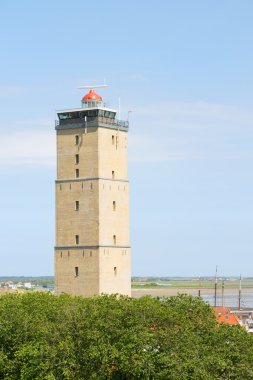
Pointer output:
116, 337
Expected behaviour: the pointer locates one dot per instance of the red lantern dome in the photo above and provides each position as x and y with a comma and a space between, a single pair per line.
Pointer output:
92, 96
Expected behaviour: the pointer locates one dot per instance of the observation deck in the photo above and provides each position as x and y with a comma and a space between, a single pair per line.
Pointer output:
90, 117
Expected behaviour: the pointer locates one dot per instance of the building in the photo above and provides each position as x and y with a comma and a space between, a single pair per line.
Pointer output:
92, 252
245, 317
224, 315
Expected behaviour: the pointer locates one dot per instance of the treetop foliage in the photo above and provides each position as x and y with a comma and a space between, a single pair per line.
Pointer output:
114, 337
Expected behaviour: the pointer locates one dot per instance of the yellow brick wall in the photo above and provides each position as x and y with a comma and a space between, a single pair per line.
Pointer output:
114, 222
112, 157
87, 150
83, 222
96, 222
111, 280
86, 283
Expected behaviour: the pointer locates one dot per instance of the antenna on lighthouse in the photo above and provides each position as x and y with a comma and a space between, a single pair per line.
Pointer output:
91, 87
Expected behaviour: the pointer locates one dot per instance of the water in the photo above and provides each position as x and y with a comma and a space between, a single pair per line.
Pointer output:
231, 295
231, 299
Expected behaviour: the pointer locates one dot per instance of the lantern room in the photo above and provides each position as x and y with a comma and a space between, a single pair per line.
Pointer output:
92, 99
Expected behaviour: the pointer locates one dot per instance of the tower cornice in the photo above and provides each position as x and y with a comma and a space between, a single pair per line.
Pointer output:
91, 179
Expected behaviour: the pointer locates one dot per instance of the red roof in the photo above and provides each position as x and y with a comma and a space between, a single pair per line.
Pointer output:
92, 96
223, 315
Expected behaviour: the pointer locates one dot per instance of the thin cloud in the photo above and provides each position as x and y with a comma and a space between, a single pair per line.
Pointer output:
190, 131
23, 125
27, 148
197, 109
13, 90
158, 133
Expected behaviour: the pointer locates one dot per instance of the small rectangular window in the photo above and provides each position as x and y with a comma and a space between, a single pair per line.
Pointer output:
77, 205
77, 239
77, 139
113, 174
77, 159
77, 173
113, 139
114, 206
76, 271
114, 239
115, 271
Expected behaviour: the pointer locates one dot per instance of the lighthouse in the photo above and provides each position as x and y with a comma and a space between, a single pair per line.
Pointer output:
92, 248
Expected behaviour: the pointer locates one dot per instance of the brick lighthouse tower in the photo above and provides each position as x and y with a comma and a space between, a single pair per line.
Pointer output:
92, 252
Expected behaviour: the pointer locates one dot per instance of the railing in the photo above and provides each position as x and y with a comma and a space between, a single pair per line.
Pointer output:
92, 121
105, 120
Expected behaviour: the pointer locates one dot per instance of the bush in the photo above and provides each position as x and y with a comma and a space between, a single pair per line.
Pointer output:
114, 337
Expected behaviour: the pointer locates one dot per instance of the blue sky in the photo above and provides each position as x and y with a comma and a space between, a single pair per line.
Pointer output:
185, 70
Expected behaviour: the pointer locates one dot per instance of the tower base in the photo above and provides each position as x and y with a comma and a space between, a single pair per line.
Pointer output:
83, 271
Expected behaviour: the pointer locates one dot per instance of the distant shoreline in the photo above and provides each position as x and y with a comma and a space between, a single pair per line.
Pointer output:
172, 291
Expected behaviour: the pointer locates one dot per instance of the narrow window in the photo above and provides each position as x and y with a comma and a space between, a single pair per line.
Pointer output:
90, 253
91, 185
76, 271
114, 206
113, 139
77, 205
61, 254
77, 139
77, 173
114, 239
115, 271
113, 174
77, 239
60, 187
83, 253
77, 159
